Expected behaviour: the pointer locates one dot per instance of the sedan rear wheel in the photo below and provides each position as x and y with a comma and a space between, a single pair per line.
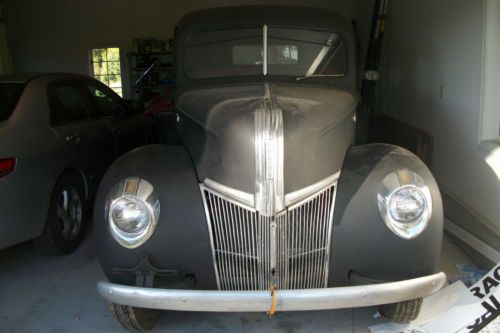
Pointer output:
66, 216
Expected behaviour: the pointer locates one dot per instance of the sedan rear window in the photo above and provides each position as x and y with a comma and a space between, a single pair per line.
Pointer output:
9, 96
277, 54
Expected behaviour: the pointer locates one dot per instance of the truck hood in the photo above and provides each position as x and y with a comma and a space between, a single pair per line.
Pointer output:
220, 128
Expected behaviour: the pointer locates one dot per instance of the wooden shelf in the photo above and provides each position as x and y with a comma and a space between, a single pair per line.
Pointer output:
163, 70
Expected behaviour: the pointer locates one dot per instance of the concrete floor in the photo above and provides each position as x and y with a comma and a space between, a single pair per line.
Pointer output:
58, 294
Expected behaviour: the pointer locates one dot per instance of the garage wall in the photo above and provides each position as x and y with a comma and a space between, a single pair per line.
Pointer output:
432, 79
55, 35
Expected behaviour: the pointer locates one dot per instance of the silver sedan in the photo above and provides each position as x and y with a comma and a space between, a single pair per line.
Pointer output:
58, 134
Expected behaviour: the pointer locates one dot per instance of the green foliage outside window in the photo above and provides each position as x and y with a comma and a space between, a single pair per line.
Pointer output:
106, 67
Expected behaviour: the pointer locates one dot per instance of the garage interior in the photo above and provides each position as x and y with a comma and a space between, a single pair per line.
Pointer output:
438, 95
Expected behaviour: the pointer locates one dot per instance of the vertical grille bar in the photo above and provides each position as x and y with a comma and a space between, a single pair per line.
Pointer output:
254, 251
249, 255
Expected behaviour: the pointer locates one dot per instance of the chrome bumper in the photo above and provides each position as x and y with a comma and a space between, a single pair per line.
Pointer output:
261, 301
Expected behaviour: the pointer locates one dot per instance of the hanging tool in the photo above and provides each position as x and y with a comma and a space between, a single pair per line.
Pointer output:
371, 74
146, 72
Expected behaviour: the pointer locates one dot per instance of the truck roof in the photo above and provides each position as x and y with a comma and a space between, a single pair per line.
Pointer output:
241, 16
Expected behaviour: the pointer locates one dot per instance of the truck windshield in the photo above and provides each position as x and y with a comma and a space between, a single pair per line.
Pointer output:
9, 95
300, 53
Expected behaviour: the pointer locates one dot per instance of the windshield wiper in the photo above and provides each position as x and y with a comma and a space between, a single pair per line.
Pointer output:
318, 75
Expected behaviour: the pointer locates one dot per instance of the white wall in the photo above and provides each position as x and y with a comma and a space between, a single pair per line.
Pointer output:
55, 35
432, 46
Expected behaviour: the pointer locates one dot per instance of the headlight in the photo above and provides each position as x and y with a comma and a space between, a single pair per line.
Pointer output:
130, 214
405, 203
133, 210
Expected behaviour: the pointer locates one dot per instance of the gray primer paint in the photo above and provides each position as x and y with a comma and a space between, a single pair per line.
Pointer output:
218, 131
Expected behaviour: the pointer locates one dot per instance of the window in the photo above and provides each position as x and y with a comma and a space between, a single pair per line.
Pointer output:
290, 52
9, 95
283, 54
321, 52
108, 103
490, 108
278, 55
210, 54
489, 131
66, 104
105, 67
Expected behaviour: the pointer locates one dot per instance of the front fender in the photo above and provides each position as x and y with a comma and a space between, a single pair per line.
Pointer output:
361, 242
181, 240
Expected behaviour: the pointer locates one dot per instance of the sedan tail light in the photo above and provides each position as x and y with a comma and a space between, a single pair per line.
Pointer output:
7, 165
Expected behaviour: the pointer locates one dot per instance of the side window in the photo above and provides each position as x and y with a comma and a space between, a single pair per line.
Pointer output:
108, 103
66, 104
9, 96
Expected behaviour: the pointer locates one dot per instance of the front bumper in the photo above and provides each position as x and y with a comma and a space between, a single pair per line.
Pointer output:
261, 301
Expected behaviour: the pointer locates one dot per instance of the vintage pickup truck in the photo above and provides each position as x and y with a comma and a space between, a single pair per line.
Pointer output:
267, 205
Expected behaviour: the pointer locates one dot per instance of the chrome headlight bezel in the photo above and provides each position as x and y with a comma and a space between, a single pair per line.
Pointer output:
392, 185
142, 192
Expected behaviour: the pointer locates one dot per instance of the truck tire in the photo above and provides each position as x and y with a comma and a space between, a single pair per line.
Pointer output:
133, 318
402, 312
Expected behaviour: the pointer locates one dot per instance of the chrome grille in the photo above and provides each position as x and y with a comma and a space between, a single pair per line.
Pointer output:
255, 252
